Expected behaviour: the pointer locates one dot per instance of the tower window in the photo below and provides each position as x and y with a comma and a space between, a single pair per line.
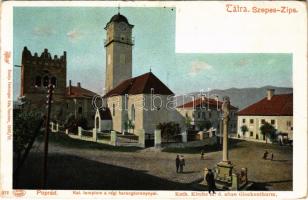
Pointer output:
38, 81
54, 81
45, 81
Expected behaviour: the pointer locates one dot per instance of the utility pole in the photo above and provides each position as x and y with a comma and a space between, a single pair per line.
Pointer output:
49, 99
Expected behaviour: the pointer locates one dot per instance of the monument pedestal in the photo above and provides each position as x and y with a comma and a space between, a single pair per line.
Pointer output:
224, 172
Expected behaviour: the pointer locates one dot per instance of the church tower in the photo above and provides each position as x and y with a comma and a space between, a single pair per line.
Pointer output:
118, 44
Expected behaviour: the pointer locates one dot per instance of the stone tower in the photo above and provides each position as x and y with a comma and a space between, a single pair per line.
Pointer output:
118, 44
37, 72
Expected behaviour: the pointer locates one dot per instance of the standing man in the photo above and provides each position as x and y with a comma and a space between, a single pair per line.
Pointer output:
182, 163
177, 163
202, 154
210, 181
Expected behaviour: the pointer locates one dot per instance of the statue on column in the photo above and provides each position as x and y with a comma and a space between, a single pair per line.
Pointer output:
226, 108
226, 117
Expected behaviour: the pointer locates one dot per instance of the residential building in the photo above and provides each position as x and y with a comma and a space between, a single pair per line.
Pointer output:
203, 110
276, 110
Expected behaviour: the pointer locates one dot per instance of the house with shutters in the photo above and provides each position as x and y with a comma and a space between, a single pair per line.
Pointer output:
276, 110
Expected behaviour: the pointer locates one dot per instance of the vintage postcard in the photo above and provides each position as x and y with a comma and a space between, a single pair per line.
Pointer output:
153, 100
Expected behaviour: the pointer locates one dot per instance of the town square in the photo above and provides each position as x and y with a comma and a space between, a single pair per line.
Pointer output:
104, 102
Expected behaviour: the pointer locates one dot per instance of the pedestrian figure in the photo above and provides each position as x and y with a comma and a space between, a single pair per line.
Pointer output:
265, 155
202, 154
177, 163
272, 157
210, 181
182, 163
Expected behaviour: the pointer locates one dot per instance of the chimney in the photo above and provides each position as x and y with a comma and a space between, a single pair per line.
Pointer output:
70, 87
270, 94
79, 85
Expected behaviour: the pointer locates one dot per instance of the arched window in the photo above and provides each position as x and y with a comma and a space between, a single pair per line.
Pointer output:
133, 112
54, 81
80, 110
38, 81
45, 81
113, 109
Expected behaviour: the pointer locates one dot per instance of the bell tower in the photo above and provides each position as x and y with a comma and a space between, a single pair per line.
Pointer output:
118, 44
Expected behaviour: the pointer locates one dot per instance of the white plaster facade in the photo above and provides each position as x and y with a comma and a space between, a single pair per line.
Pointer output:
144, 114
200, 115
283, 124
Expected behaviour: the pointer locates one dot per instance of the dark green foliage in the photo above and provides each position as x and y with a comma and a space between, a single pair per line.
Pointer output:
25, 125
244, 129
72, 124
205, 125
169, 129
269, 131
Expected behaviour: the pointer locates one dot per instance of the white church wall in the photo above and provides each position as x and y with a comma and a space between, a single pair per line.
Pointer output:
116, 105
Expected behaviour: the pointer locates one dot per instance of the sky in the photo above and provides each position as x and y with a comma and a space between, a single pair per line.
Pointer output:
80, 32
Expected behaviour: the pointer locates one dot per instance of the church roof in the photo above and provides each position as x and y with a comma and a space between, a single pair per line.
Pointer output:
78, 92
278, 105
118, 18
142, 84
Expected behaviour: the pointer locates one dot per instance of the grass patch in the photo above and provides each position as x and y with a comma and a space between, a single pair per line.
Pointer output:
64, 140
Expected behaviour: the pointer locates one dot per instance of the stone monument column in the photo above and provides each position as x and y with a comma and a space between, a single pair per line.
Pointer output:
225, 167
226, 118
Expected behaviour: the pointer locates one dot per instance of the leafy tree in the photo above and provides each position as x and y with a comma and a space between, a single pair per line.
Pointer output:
72, 123
188, 121
169, 129
27, 125
206, 125
129, 124
244, 129
268, 131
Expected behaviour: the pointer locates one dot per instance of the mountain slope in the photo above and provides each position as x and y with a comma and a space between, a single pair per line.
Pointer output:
239, 97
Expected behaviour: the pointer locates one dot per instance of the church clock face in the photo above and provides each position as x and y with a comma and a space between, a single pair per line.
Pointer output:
123, 26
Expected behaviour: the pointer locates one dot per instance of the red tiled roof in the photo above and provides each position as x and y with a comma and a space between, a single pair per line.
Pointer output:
279, 105
77, 92
205, 102
140, 85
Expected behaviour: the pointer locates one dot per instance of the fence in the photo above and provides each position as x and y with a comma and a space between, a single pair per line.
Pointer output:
93, 135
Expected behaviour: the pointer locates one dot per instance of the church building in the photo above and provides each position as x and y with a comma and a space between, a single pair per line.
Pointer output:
143, 101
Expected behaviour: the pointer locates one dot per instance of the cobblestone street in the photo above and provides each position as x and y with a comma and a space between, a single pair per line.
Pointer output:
152, 169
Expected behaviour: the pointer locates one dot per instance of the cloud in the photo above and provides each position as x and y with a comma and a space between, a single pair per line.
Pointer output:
74, 35
198, 66
43, 31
